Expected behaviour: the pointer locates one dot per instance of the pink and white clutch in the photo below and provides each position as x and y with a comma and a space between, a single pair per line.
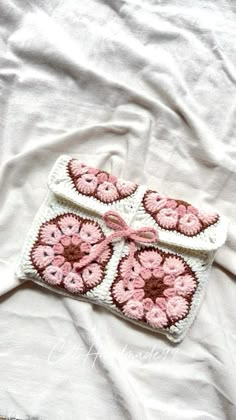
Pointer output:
142, 255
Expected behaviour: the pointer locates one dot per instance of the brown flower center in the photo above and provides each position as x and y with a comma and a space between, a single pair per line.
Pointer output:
154, 288
72, 253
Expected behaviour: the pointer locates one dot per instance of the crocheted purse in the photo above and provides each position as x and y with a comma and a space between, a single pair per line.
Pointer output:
112, 242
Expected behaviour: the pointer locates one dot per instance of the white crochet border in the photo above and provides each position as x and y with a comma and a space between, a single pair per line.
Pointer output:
65, 198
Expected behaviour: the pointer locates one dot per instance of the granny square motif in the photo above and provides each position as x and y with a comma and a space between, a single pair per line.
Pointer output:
140, 254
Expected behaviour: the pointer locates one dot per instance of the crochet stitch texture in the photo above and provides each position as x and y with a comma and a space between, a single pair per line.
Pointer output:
140, 254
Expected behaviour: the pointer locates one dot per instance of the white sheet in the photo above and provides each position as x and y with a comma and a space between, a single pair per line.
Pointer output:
145, 89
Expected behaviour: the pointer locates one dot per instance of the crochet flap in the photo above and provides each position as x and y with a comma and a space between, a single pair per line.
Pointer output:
93, 189
177, 222
181, 224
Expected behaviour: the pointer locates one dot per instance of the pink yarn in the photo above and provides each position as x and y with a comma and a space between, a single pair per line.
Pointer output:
66, 268
184, 285
133, 309
169, 280
156, 317
107, 192
78, 168
189, 224
87, 183
138, 282
146, 273
90, 233
122, 294
170, 292
43, 255
105, 255
150, 259
114, 221
208, 218
161, 303
167, 218
50, 234
66, 240
125, 187
92, 274
155, 202
74, 283
172, 204
58, 260
135, 268
102, 177
147, 304
138, 294
53, 275
173, 265
69, 225
176, 307
181, 210
58, 248
158, 272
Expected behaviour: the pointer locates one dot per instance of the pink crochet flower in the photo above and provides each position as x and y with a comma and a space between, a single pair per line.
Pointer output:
43, 255
156, 317
61, 244
189, 224
74, 283
87, 183
133, 309
155, 202
150, 259
92, 274
53, 275
167, 218
121, 292
136, 268
90, 233
107, 192
184, 285
156, 288
176, 307
125, 187
50, 234
173, 265
69, 225
78, 168
208, 219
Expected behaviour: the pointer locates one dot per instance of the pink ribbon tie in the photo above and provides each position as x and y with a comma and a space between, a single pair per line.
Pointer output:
121, 230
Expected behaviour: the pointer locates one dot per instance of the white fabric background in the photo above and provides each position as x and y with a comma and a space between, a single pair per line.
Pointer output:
146, 89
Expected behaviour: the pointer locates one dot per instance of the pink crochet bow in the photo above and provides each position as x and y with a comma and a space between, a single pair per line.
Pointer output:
114, 221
